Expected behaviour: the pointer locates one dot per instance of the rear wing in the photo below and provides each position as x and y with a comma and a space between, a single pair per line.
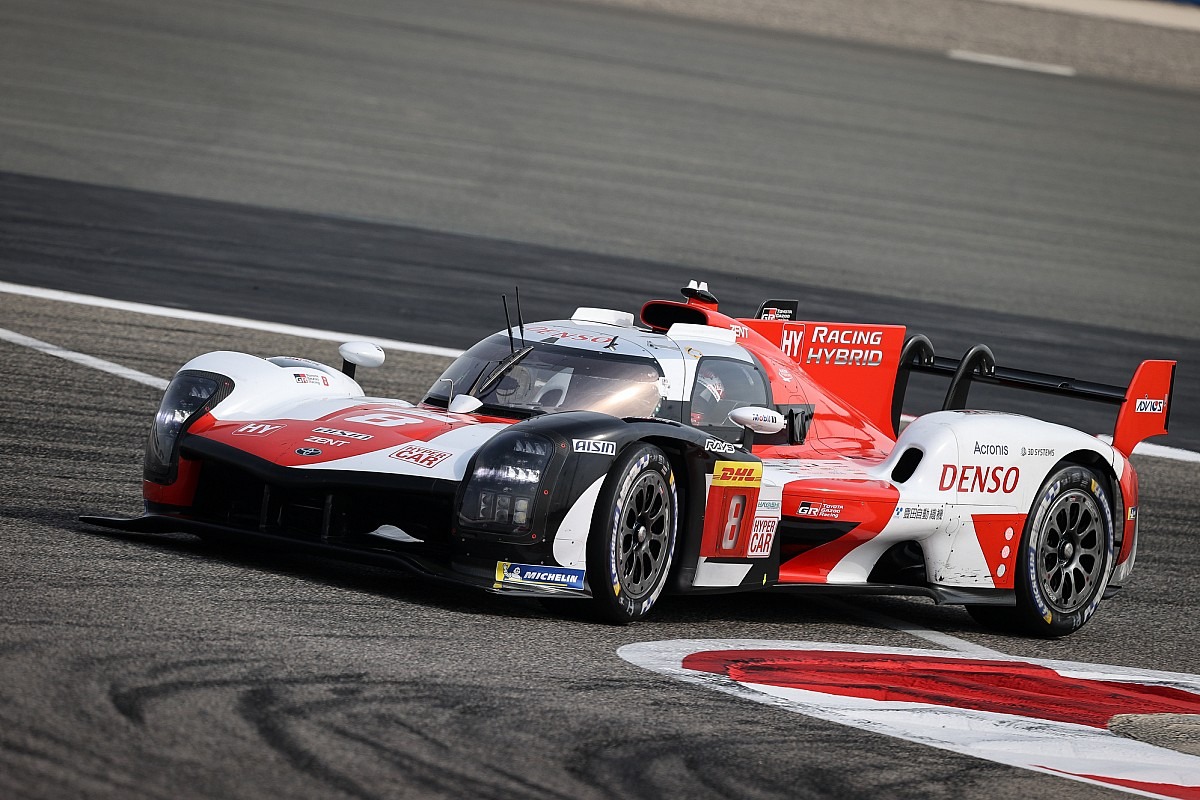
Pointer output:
1145, 404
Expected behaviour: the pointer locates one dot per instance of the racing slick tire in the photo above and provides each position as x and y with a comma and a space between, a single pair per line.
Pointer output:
632, 540
1064, 561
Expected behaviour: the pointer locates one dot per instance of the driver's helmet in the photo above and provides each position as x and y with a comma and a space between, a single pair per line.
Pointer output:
710, 389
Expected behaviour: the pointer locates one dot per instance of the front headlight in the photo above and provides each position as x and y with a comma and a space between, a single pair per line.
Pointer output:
502, 491
189, 395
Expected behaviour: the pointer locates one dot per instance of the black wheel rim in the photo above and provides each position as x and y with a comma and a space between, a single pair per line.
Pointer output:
1071, 551
643, 534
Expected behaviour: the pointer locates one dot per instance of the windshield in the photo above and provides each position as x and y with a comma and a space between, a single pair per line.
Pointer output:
552, 378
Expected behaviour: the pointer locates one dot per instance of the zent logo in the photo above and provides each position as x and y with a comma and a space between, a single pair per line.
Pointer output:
257, 429
596, 446
325, 440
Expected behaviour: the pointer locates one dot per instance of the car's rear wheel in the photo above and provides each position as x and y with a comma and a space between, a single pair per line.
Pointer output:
632, 540
1065, 558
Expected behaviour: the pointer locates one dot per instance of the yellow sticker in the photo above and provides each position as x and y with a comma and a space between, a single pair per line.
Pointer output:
747, 474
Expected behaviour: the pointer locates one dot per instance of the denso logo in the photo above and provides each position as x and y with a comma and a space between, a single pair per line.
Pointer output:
1148, 406
988, 480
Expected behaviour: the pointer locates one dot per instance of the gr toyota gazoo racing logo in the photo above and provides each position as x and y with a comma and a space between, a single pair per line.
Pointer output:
815, 510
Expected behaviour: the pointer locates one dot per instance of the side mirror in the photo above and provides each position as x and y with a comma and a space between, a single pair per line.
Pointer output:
758, 419
464, 404
360, 354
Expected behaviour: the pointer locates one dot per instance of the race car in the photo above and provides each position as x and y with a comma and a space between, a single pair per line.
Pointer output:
607, 459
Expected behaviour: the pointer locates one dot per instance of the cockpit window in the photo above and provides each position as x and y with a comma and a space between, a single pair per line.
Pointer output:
721, 386
553, 378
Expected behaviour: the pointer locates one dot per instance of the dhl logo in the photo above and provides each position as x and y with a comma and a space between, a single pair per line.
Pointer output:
737, 473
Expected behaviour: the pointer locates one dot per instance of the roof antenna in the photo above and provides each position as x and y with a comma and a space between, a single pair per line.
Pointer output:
520, 322
512, 348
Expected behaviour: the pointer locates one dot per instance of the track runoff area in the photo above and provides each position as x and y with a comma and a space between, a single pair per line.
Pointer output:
1132, 730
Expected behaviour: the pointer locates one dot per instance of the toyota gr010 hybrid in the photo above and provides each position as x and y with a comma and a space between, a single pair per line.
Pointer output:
609, 459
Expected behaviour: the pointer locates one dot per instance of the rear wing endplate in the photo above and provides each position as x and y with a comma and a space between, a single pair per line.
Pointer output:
1145, 404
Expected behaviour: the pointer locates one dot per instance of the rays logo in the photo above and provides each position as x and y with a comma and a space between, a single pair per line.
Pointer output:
1148, 406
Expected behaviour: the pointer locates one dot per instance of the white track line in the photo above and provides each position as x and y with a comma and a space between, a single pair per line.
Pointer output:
220, 319
82, 358
937, 637
1157, 451
1011, 63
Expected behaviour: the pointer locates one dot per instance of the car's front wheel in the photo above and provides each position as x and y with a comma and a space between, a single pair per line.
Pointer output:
633, 535
1065, 558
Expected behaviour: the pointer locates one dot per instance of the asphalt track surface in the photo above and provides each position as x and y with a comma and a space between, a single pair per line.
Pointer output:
138, 667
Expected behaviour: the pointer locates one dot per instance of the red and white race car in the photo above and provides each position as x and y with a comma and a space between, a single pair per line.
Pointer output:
605, 460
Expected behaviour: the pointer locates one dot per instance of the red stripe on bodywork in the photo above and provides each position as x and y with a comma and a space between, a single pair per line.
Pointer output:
1129, 498
1017, 688
999, 535
387, 425
868, 503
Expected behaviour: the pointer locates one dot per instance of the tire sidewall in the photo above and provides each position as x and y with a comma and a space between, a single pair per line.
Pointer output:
1032, 603
613, 602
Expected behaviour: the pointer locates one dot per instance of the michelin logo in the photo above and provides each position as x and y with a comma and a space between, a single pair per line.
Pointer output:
539, 575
